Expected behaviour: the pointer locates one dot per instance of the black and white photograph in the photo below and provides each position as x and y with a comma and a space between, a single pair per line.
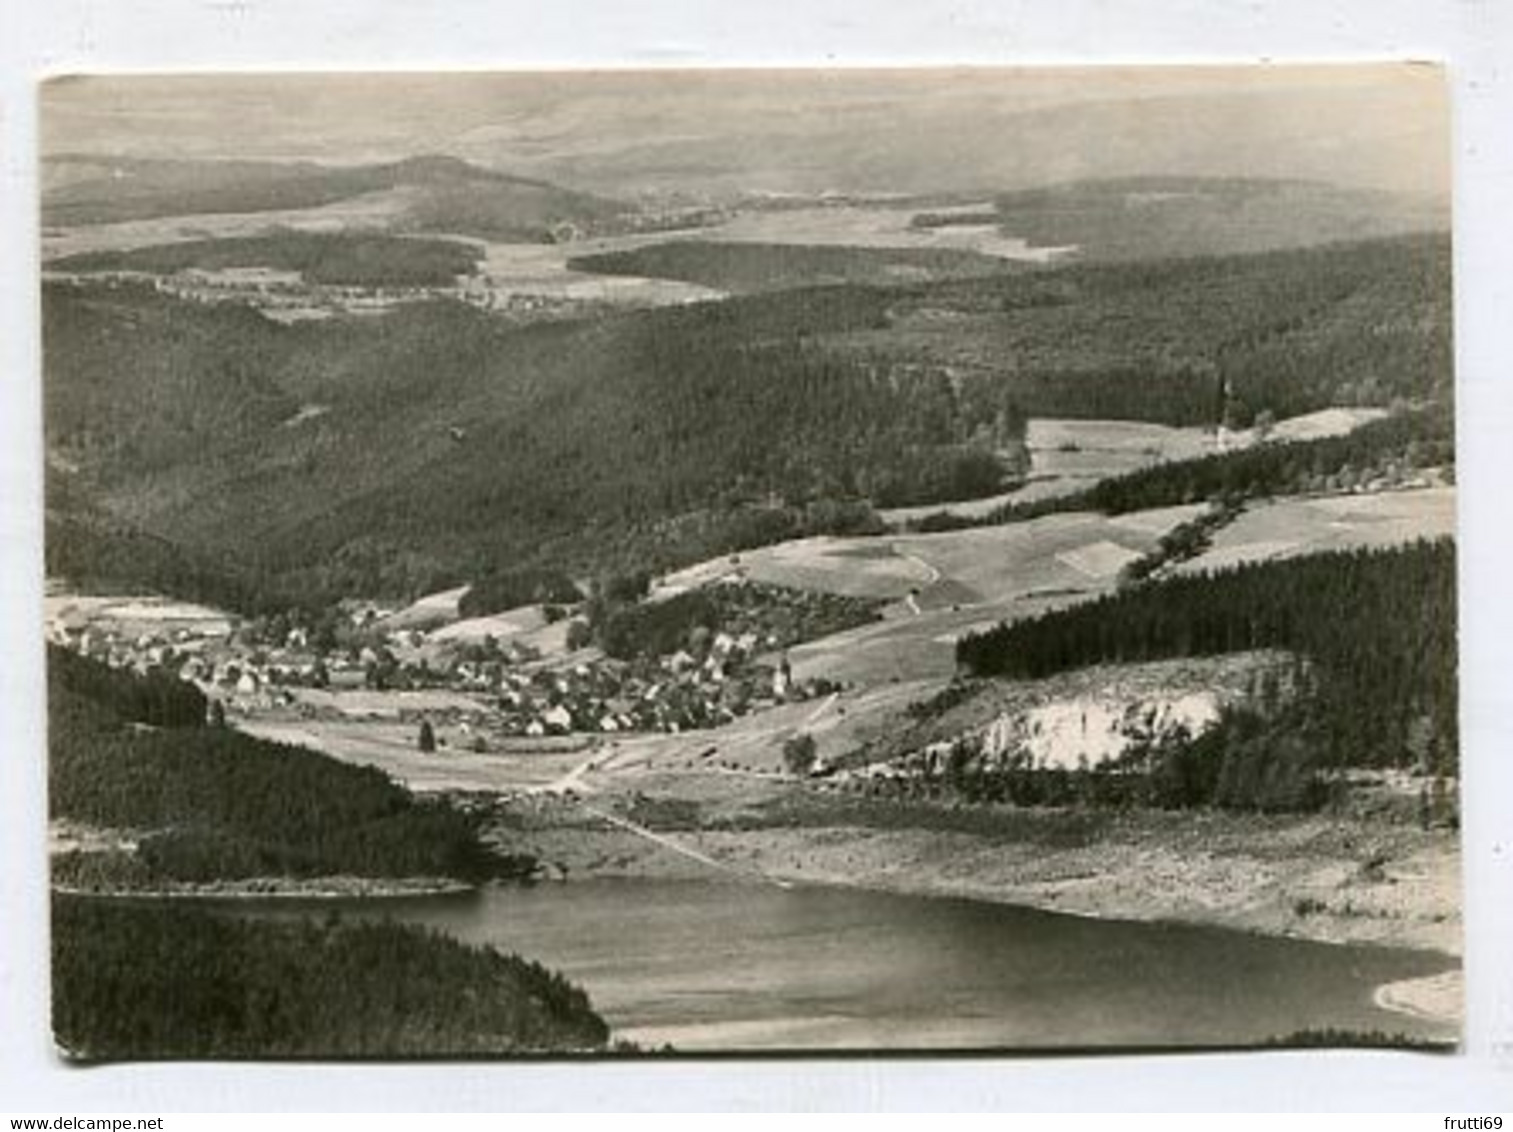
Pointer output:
629, 564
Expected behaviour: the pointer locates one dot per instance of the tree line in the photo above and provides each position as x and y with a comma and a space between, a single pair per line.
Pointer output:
1378, 628
778, 615
356, 259
223, 805
1287, 332
1411, 439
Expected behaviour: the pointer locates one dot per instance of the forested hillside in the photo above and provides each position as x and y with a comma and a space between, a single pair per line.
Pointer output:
358, 259
1412, 439
132, 753
157, 981
449, 441
219, 805
436, 444
1378, 628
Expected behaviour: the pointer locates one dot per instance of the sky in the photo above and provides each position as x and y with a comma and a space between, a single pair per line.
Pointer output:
718, 131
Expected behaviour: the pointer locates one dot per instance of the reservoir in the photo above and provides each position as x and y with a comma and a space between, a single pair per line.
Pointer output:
712, 966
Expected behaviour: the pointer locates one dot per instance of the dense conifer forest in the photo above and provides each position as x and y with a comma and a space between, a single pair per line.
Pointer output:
743, 266
437, 443
1376, 627
150, 980
497, 590
1412, 439
217, 804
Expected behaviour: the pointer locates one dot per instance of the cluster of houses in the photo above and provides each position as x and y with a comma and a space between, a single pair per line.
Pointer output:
126, 640
518, 692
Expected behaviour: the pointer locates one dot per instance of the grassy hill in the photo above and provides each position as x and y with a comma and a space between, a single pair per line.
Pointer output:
416, 450
440, 194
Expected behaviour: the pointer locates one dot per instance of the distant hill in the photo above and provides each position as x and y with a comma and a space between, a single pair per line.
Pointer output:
414, 451
746, 267
1154, 217
210, 805
440, 194
451, 440
1290, 331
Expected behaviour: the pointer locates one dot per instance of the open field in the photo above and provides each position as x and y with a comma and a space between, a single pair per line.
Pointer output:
541, 270
1068, 455
1317, 426
943, 585
753, 744
134, 616
844, 225
1288, 527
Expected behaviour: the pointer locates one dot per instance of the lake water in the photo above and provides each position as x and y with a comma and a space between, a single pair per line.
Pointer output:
748, 966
